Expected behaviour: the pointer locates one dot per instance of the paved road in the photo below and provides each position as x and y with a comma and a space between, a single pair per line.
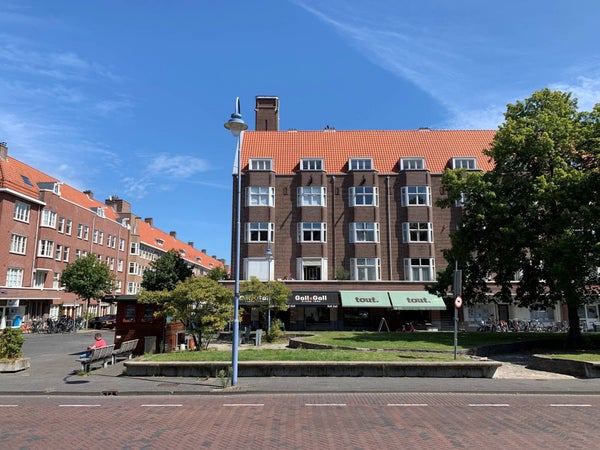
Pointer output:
54, 369
302, 421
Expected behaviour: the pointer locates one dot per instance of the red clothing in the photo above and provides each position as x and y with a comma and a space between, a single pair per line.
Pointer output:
99, 343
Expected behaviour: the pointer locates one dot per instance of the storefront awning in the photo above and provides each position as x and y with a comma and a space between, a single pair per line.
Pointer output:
416, 300
365, 299
313, 299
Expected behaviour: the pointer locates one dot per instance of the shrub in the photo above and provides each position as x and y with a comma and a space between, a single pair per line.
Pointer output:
276, 332
11, 343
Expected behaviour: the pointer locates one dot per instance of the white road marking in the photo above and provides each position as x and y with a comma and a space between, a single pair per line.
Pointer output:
156, 405
324, 404
407, 404
80, 406
8, 406
244, 404
489, 404
570, 405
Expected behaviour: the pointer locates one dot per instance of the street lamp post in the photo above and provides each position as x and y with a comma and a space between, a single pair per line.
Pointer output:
236, 125
269, 258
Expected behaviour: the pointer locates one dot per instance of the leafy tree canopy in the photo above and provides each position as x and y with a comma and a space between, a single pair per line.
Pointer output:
164, 272
535, 217
218, 273
202, 304
88, 278
263, 296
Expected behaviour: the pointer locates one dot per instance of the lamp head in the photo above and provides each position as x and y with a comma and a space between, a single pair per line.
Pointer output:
236, 124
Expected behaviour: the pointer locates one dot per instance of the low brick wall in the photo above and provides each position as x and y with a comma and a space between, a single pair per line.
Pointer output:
580, 369
453, 369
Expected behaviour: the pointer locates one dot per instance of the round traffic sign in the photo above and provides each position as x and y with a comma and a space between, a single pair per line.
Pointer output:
458, 301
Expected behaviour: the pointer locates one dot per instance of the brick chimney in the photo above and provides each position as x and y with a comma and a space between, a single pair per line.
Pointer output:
3, 151
89, 193
173, 234
118, 204
267, 113
191, 244
149, 221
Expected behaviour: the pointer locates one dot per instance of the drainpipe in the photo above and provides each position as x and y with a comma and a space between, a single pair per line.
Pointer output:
389, 225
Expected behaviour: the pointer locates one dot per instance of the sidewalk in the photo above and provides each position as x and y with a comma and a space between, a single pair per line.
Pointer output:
54, 371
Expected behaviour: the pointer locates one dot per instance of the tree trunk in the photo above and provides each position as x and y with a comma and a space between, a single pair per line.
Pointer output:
574, 339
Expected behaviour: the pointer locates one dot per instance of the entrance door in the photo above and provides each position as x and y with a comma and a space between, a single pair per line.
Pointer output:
503, 312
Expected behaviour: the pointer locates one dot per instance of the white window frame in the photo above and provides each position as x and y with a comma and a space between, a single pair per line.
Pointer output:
301, 263
469, 163
260, 232
22, 211
48, 219
314, 164
66, 254
359, 195
61, 225
18, 244
361, 232
258, 268
46, 248
312, 196
412, 163
80, 231
68, 227
416, 195
365, 269
86, 233
95, 236
134, 248
419, 269
260, 164
14, 277
121, 244
414, 231
360, 164
39, 279
58, 252
312, 232
260, 196
120, 265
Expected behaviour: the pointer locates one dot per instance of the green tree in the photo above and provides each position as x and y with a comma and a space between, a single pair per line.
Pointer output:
535, 217
164, 272
88, 278
218, 273
265, 296
202, 304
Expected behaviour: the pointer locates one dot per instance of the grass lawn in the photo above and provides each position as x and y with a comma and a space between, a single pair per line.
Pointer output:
419, 346
578, 356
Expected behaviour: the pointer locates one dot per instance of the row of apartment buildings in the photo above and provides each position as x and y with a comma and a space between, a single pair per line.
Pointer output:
46, 224
351, 222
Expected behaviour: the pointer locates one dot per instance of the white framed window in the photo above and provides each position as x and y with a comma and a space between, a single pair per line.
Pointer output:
311, 268
80, 231
360, 164
416, 196
257, 267
46, 248
121, 244
260, 164
95, 236
61, 225
260, 232
66, 254
101, 238
58, 252
312, 196
311, 164
364, 196
68, 227
77, 254
18, 244
86, 232
39, 280
364, 232
134, 248
464, 163
419, 269
312, 232
14, 277
133, 288
120, 265
22, 211
417, 232
412, 163
365, 269
460, 201
118, 285
260, 196
48, 219
56, 280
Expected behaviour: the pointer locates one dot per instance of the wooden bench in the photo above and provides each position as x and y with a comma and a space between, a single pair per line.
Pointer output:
102, 355
125, 350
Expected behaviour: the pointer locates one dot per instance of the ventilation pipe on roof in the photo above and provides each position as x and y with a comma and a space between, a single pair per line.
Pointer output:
149, 221
3, 151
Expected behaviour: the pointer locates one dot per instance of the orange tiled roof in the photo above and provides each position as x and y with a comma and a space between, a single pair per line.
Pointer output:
386, 148
22, 178
149, 235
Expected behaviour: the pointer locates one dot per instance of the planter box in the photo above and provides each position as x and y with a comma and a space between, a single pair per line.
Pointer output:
14, 365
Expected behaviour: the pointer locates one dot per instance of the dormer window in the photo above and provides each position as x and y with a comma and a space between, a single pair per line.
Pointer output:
412, 163
160, 242
311, 164
360, 164
464, 163
99, 211
261, 164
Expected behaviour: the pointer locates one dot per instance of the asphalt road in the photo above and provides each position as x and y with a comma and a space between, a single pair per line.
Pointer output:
302, 421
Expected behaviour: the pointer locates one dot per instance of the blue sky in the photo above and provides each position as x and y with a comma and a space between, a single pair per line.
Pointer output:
129, 98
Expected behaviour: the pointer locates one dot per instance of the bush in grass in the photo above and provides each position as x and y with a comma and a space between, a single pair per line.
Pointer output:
277, 331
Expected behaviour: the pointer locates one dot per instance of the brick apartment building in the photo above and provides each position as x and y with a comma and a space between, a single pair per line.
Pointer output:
45, 224
351, 221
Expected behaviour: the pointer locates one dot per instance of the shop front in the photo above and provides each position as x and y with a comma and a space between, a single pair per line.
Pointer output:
309, 310
417, 308
364, 310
